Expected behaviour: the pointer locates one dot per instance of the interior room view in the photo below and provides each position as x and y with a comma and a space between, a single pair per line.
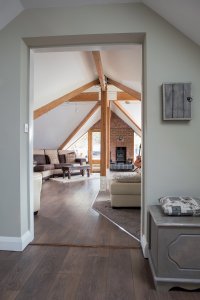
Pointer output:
68, 131
99, 123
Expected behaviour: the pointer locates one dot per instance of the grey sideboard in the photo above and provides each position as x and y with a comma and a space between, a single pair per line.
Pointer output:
174, 250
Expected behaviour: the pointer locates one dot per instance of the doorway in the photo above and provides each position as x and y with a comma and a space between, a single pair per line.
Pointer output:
95, 152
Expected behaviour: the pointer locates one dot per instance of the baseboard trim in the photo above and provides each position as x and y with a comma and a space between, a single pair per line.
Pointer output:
144, 246
9, 243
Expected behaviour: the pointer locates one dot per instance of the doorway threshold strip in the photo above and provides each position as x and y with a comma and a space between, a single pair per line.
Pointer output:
84, 246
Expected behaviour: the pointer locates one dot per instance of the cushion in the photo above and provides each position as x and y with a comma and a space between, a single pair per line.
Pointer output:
39, 159
125, 188
63, 152
177, 206
62, 158
80, 160
70, 157
53, 156
38, 151
129, 178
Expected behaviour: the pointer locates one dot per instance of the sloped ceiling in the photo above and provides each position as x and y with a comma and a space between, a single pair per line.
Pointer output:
51, 130
183, 14
9, 9
60, 72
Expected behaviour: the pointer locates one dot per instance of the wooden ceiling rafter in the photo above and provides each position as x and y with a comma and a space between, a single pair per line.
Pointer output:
123, 96
125, 88
53, 104
94, 96
86, 97
123, 110
82, 123
99, 67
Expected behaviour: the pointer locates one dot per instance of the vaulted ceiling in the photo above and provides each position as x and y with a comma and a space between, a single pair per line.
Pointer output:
60, 72
183, 14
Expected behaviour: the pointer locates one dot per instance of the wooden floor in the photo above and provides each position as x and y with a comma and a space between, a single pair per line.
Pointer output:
110, 268
66, 217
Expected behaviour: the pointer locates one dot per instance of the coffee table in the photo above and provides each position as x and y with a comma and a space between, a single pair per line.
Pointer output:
82, 168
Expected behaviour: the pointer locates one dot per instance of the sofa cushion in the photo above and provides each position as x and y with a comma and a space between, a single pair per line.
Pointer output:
40, 168
125, 188
70, 157
62, 158
53, 156
38, 151
81, 160
39, 159
129, 178
63, 152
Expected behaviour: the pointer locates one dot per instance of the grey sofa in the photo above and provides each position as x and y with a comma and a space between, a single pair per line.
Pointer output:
49, 162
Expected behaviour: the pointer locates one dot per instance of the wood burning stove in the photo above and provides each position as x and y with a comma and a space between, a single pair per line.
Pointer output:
121, 155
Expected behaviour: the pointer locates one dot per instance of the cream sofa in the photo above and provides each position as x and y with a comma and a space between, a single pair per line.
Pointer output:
126, 191
37, 187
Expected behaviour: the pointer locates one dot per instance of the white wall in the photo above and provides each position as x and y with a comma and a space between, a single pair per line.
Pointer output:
171, 149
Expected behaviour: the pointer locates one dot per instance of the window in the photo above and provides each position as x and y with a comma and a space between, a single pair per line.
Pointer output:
81, 146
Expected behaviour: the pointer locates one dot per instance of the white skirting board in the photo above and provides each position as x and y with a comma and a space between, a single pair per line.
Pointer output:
9, 243
144, 246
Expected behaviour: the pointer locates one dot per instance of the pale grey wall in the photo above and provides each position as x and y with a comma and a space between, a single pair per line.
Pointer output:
171, 149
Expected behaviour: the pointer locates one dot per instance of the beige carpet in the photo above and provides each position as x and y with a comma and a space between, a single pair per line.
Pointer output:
126, 218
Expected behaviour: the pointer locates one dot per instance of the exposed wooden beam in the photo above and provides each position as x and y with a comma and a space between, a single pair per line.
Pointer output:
104, 128
94, 96
92, 111
53, 104
125, 96
121, 108
99, 67
125, 88
108, 133
87, 96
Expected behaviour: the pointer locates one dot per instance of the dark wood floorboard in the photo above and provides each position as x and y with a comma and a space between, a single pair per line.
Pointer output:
111, 272
66, 217
64, 273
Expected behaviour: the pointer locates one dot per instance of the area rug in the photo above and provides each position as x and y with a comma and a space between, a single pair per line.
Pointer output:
75, 178
126, 218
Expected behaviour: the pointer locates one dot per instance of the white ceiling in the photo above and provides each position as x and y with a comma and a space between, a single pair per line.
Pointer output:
60, 72
52, 129
183, 14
